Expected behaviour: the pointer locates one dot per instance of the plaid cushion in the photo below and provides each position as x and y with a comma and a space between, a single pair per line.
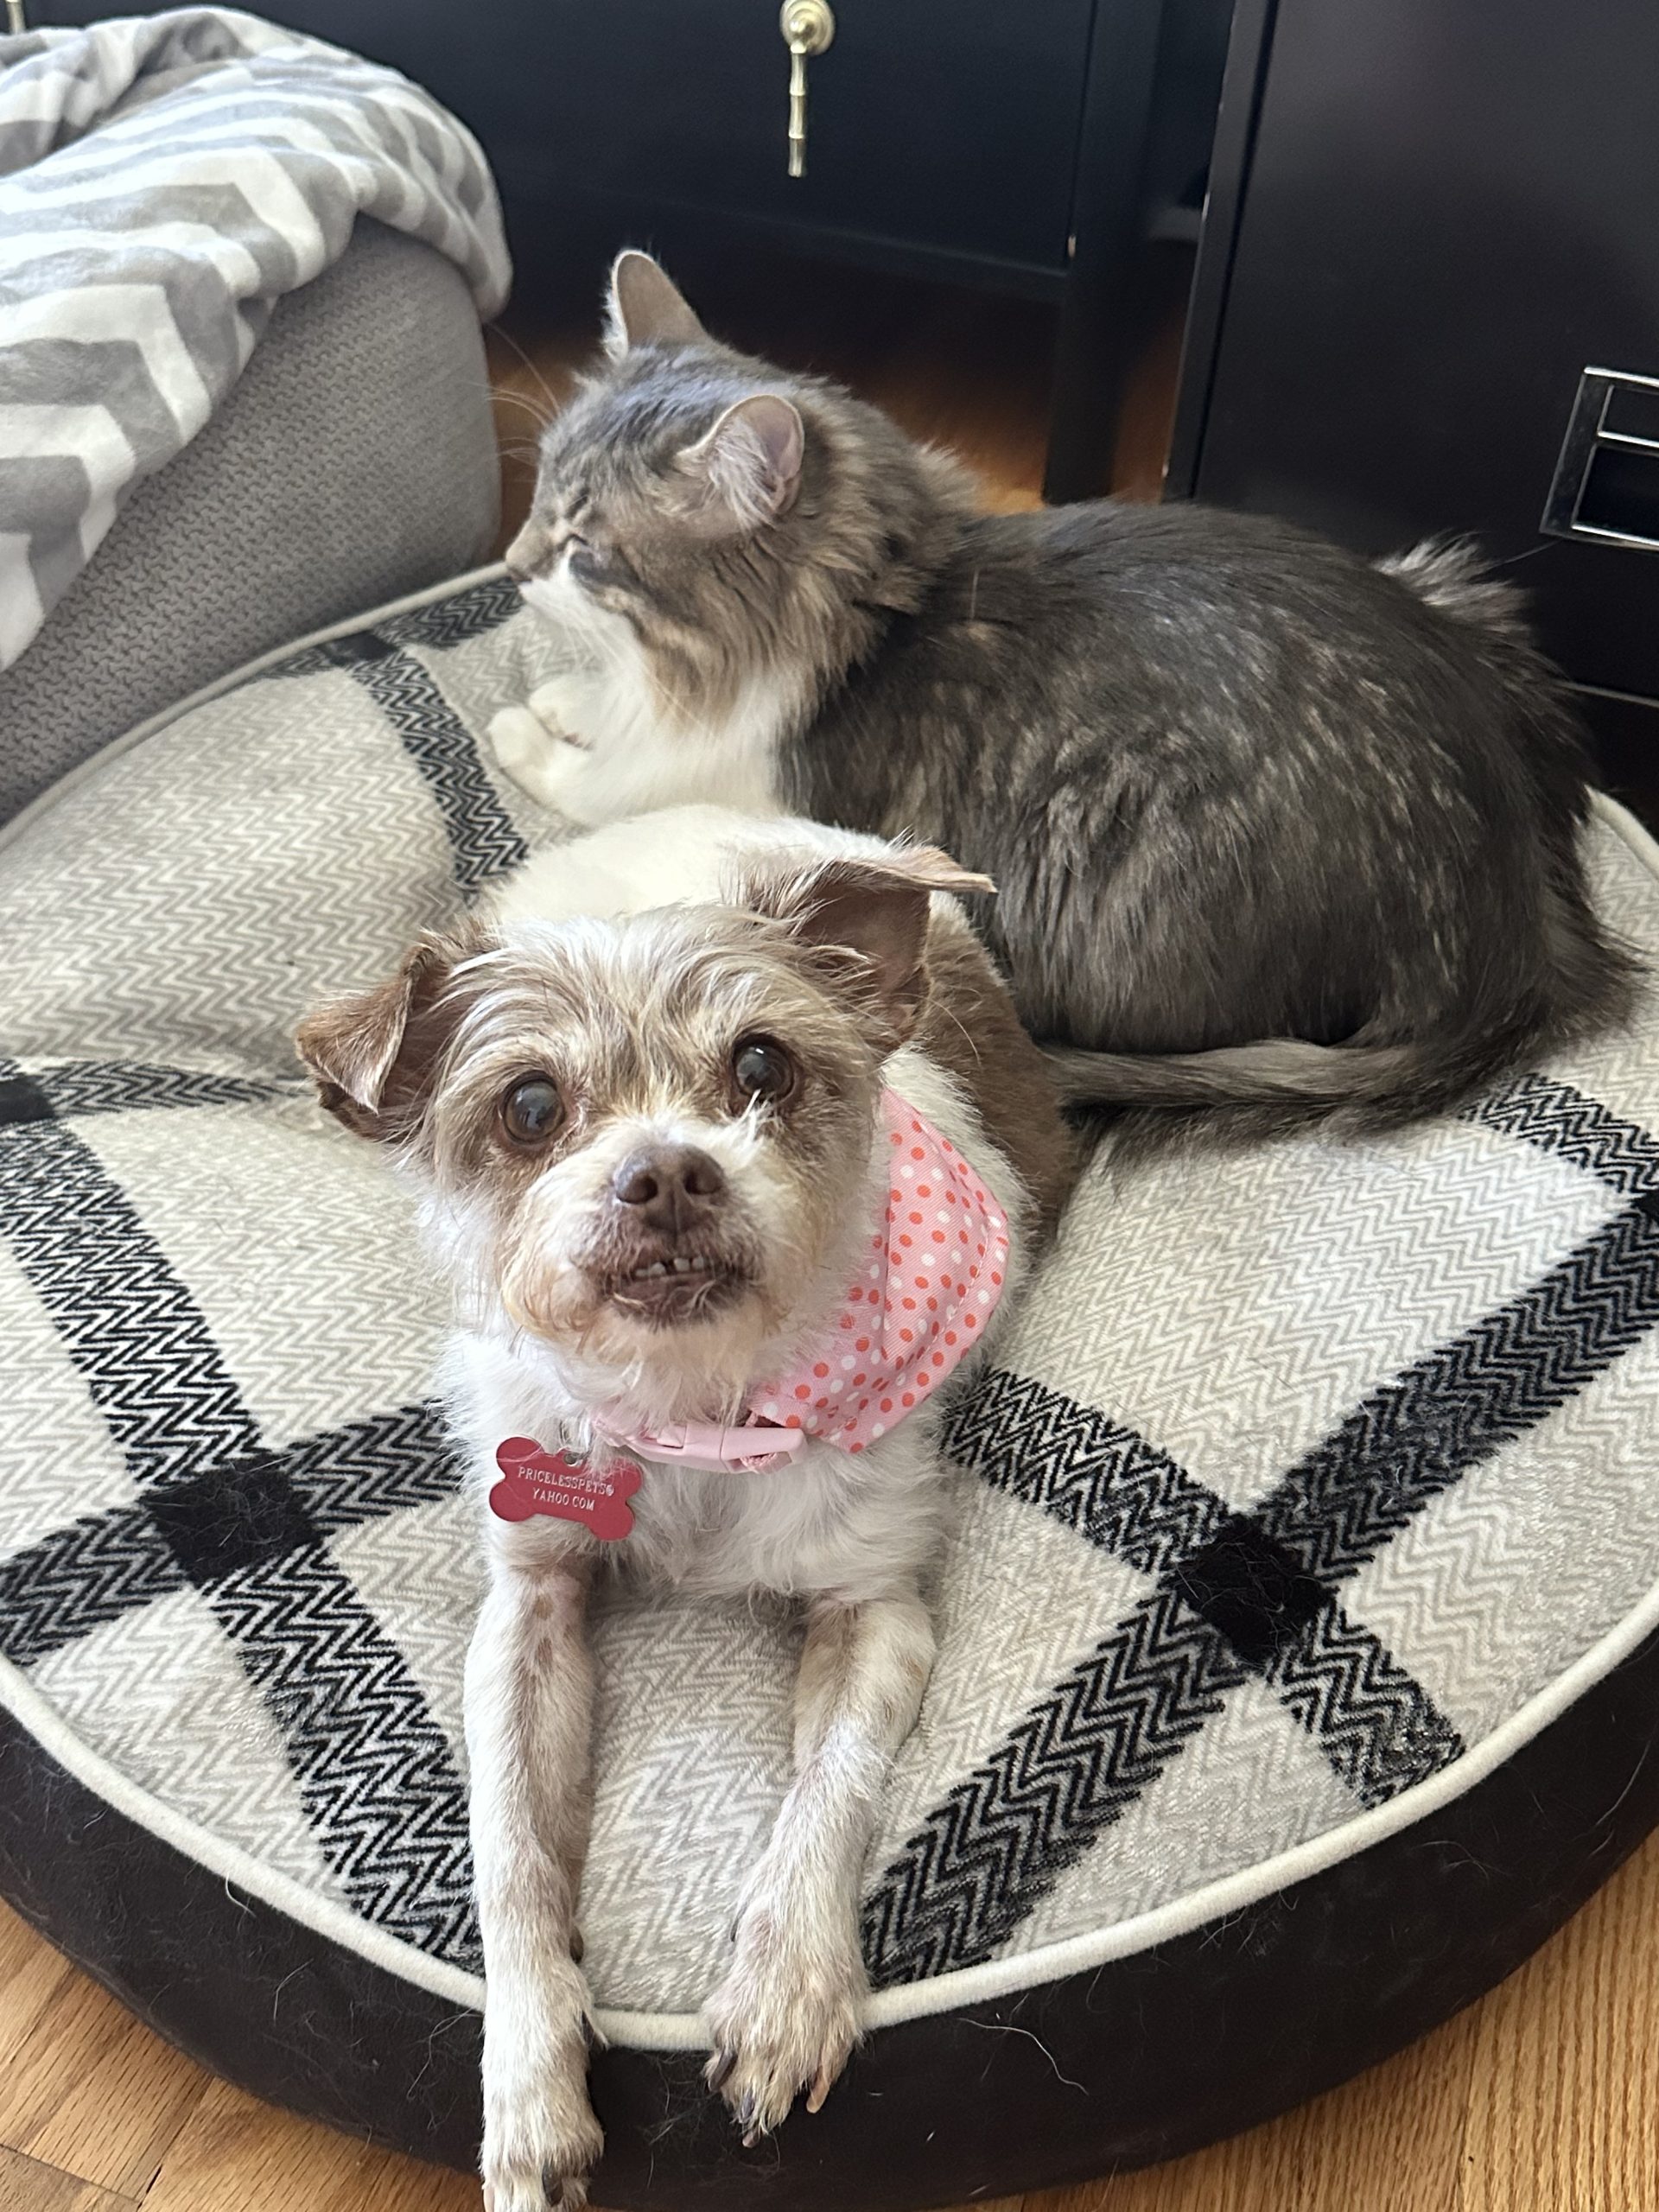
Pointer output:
1311, 1483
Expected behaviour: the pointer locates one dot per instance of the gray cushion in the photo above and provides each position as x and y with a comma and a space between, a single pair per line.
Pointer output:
355, 460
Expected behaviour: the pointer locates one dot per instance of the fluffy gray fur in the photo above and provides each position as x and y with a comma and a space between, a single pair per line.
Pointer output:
1280, 835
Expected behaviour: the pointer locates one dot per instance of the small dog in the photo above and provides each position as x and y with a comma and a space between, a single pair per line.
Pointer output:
735, 1189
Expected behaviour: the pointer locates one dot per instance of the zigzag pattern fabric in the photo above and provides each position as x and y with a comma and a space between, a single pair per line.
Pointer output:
1300, 1482
163, 182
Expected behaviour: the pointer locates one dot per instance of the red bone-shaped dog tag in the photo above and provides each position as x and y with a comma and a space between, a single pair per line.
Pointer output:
534, 1481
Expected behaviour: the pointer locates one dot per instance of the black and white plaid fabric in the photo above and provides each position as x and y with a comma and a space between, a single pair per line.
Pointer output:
1309, 1484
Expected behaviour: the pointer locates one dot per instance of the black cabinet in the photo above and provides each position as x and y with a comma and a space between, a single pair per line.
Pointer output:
950, 126
1428, 219
1033, 146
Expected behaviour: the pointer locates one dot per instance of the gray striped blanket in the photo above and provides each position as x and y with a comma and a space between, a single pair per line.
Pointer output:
163, 181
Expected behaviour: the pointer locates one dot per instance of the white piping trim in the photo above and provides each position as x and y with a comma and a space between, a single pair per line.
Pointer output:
323, 1914
1076, 1954
915, 2000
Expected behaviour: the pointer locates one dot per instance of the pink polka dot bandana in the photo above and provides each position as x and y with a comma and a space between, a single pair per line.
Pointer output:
937, 1258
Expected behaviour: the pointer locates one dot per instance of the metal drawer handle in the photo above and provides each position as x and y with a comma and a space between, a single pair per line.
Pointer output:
1606, 481
808, 27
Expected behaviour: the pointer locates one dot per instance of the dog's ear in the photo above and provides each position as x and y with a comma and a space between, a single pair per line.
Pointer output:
875, 908
643, 307
374, 1054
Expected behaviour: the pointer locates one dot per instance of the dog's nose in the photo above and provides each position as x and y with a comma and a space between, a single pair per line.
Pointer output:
669, 1185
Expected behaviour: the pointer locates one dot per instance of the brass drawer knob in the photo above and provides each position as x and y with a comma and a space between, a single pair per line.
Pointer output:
808, 26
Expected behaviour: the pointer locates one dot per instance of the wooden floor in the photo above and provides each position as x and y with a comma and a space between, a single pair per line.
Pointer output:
1544, 2097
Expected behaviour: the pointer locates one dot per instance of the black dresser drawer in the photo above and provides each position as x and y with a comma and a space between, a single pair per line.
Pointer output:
1447, 217
946, 126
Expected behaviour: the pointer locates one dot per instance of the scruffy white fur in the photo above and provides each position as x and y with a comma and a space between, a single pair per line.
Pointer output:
848, 1536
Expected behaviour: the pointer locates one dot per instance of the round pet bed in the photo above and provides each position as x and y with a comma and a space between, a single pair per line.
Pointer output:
1297, 1668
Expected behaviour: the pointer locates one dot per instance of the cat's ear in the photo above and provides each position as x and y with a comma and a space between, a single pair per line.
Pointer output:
747, 470
644, 308
876, 908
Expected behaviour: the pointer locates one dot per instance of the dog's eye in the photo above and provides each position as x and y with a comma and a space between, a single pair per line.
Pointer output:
532, 1111
762, 1069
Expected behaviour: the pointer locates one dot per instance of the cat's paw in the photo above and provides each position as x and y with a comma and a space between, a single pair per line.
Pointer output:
553, 770
783, 2022
518, 738
549, 704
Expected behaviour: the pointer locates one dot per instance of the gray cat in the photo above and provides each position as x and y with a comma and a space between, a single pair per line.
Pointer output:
1279, 834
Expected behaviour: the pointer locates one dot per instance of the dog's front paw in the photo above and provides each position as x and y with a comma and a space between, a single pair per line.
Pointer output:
785, 2021
539, 2148
541, 2138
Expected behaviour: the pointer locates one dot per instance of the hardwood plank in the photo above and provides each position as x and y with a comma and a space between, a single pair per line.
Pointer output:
236, 2151
1564, 2109
1542, 2099
84, 2085
27, 2186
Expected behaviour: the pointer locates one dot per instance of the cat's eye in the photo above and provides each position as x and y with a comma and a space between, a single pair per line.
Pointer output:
575, 543
588, 565
762, 1069
531, 1111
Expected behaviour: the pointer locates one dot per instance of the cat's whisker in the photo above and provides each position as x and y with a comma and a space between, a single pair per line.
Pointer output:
503, 397
498, 330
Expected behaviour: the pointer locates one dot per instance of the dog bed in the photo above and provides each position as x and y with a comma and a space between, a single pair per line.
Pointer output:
1297, 1669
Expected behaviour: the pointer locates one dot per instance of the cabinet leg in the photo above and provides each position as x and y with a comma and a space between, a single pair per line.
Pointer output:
1098, 319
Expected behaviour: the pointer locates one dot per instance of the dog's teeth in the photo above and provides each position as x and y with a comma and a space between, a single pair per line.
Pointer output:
665, 1270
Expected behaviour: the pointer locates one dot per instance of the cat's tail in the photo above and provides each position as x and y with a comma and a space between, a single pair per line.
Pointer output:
1452, 575
1249, 1094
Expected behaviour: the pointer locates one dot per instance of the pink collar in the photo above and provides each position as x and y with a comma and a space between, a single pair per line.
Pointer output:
938, 1255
